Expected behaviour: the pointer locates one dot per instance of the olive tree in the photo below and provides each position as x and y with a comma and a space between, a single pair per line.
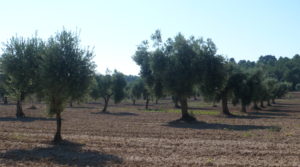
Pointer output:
242, 92
108, 86
151, 84
20, 64
136, 90
66, 73
214, 85
176, 64
281, 89
3, 89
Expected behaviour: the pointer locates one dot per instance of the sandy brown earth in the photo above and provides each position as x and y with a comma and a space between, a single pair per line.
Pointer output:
130, 136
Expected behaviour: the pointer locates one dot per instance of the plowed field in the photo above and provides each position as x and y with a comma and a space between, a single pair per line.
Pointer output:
130, 136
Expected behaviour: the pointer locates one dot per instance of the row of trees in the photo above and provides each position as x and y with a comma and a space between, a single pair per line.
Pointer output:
181, 67
59, 71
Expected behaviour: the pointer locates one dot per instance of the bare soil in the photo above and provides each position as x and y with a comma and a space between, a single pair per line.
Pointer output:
130, 136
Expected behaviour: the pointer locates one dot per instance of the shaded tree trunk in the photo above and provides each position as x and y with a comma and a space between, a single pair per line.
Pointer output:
57, 137
225, 109
175, 100
71, 103
133, 101
262, 104
195, 97
20, 113
156, 101
5, 101
214, 104
106, 100
33, 107
268, 102
185, 116
244, 109
255, 106
273, 101
147, 103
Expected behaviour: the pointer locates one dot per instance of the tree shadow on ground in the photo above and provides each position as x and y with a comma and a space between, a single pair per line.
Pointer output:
81, 107
8, 104
269, 114
26, 119
279, 106
281, 111
65, 153
116, 113
246, 116
216, 126
136, 104
202, 108
287, 104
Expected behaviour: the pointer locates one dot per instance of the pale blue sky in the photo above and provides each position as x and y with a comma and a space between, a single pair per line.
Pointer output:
242, 29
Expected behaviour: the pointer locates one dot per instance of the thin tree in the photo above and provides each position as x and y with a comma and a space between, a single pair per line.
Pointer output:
136, 90
110, 86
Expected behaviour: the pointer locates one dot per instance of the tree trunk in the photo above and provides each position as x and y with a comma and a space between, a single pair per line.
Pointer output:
269, 104
214, 104
33, 107
156, 101
244, 109
133, 101
147, 103
106, 100
71, 103
5, 100
225, 109
19, 113
262, 104
176, 105
57, 137
185, 116
195, 97
273, 101
255, 106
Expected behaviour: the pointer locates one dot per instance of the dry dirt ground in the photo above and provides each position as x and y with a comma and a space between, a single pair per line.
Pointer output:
131, 136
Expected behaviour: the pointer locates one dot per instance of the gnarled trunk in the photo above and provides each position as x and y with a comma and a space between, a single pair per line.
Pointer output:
147, 103
225, 109
185, 116
175, 100
273, 101
195, 97
5, 100
268, 102
57, 137
214, 103
255, 106
244, 109
20, 113
106, 100
262, 104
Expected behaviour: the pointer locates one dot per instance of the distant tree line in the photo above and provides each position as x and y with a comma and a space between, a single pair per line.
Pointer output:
184, 67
